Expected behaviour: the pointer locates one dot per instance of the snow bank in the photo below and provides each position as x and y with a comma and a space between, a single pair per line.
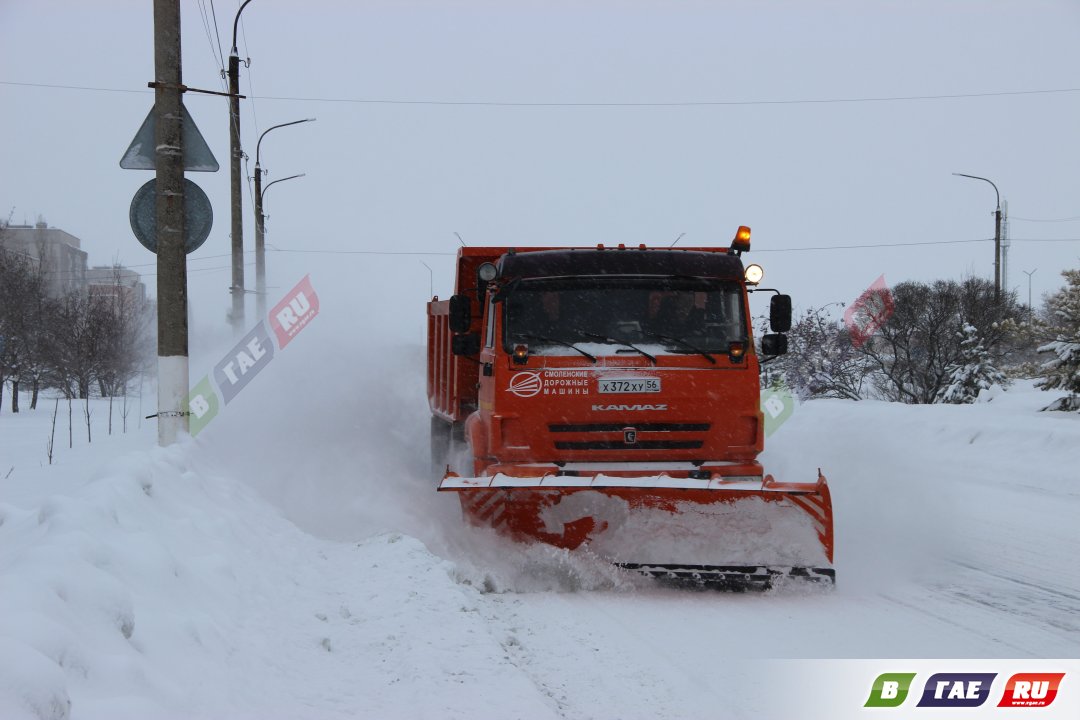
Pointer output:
159, 589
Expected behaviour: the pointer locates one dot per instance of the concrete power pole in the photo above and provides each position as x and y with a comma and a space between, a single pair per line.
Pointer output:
997, 252
997, 233
236, 316
1005, 244
169, 210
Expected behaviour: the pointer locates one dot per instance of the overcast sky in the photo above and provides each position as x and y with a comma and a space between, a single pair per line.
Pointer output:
716, 117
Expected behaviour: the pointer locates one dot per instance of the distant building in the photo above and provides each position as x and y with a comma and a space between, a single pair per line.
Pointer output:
55, 253
115, 281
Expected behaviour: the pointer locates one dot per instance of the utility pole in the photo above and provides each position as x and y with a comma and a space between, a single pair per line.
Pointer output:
260, 219
236, 316
997, 252
1031, 310
169, 211
260, 254
997, 235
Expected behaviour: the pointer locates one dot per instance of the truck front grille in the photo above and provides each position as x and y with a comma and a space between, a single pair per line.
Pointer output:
622, 445
650, 436
618, 427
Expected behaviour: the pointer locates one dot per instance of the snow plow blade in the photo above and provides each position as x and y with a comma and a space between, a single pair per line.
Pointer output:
685, 526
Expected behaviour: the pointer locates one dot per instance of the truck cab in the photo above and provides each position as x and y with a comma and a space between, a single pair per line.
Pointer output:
582, 360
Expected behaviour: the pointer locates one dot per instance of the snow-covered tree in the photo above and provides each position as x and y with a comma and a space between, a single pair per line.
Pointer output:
1062, 372
915, 349
823, 361
972, 371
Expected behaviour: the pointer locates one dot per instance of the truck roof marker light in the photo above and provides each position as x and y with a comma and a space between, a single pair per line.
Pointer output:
753, 274
736, 350
741, 243
521, 354
622, 246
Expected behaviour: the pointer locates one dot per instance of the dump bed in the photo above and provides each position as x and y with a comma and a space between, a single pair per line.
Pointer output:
451, 379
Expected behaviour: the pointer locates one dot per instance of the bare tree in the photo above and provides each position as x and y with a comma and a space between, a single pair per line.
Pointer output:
918, 347
22, 323
125, 325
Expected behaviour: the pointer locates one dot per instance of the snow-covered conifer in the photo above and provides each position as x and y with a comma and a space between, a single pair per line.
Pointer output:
1062, 371
973, 370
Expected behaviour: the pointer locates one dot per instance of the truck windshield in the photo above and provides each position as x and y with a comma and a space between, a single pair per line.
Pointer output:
680, 316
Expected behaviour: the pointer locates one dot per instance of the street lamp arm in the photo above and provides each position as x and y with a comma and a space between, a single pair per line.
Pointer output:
291, 177
976, 177
235, 22
275, 127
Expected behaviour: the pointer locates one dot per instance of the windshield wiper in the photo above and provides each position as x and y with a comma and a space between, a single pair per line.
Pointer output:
597, 336
553, 341
684, 343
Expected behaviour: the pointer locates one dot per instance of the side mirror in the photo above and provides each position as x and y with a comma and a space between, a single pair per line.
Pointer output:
780, 313
468, 344
774, 344
460, 313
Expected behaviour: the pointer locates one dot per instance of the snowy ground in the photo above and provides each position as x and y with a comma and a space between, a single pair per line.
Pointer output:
294, 561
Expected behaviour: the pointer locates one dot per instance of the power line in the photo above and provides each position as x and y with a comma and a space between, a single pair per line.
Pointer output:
412, 253
756, 249
76, 87
217, 35
687, 103
1047, 220
643, 104
361, 252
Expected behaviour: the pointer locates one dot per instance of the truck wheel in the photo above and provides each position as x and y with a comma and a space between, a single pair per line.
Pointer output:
440, 447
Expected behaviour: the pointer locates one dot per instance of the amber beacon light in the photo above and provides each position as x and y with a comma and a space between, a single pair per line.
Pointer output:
741, 243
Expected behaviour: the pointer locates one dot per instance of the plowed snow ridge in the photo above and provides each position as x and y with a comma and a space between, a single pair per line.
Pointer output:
295, 562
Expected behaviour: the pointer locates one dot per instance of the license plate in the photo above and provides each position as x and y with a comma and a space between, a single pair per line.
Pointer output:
630, 385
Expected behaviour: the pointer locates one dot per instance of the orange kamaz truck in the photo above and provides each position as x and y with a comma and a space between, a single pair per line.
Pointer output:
607, 400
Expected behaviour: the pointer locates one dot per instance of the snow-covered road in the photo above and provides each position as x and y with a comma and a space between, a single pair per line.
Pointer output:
302, 566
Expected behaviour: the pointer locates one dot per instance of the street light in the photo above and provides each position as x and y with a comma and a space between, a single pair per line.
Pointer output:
237, 289
260, 250
1031, 310
997, 235
260, 255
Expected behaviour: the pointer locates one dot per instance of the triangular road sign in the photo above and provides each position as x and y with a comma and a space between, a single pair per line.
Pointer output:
197, 156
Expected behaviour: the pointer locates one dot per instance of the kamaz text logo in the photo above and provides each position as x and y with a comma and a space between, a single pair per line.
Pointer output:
626, 408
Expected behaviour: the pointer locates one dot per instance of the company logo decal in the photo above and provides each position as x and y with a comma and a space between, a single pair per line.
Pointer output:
525, 384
